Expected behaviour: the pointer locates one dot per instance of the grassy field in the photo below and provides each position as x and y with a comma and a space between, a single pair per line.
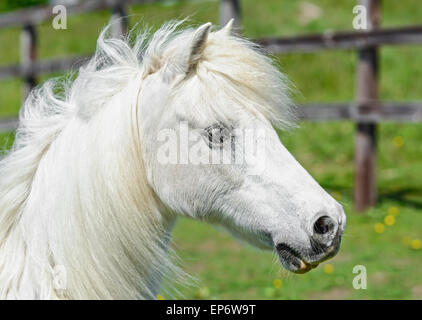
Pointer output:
226, 269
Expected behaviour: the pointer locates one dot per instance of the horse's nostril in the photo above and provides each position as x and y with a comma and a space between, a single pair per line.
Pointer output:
324, 225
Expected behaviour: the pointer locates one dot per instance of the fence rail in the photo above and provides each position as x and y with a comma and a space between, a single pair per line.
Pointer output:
43, 66
281, 45
322, 112
35, 15
366, 111
343, 40
387, 112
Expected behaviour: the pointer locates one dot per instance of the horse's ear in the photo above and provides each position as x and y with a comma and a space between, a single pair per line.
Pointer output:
188, 57
198, 43
227, 29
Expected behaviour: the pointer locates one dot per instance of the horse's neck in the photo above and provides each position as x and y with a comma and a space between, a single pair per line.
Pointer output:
90, 213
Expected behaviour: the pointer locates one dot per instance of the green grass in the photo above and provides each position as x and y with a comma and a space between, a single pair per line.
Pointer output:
227, 269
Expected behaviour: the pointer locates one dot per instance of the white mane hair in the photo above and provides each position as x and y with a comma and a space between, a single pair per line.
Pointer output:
73, 188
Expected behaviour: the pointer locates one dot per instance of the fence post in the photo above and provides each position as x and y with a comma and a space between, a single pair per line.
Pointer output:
367, 94
28, 55
119, 19
230, 9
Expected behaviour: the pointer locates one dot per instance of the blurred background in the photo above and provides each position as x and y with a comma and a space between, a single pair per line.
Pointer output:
385, 238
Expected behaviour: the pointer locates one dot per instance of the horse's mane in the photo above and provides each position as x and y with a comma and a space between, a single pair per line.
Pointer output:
31, 235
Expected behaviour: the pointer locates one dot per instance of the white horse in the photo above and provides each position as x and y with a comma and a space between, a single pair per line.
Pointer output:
87, 206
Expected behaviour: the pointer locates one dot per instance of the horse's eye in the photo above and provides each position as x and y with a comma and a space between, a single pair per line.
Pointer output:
217, 134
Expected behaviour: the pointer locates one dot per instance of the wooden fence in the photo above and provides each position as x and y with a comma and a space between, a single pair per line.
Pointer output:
366, 111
